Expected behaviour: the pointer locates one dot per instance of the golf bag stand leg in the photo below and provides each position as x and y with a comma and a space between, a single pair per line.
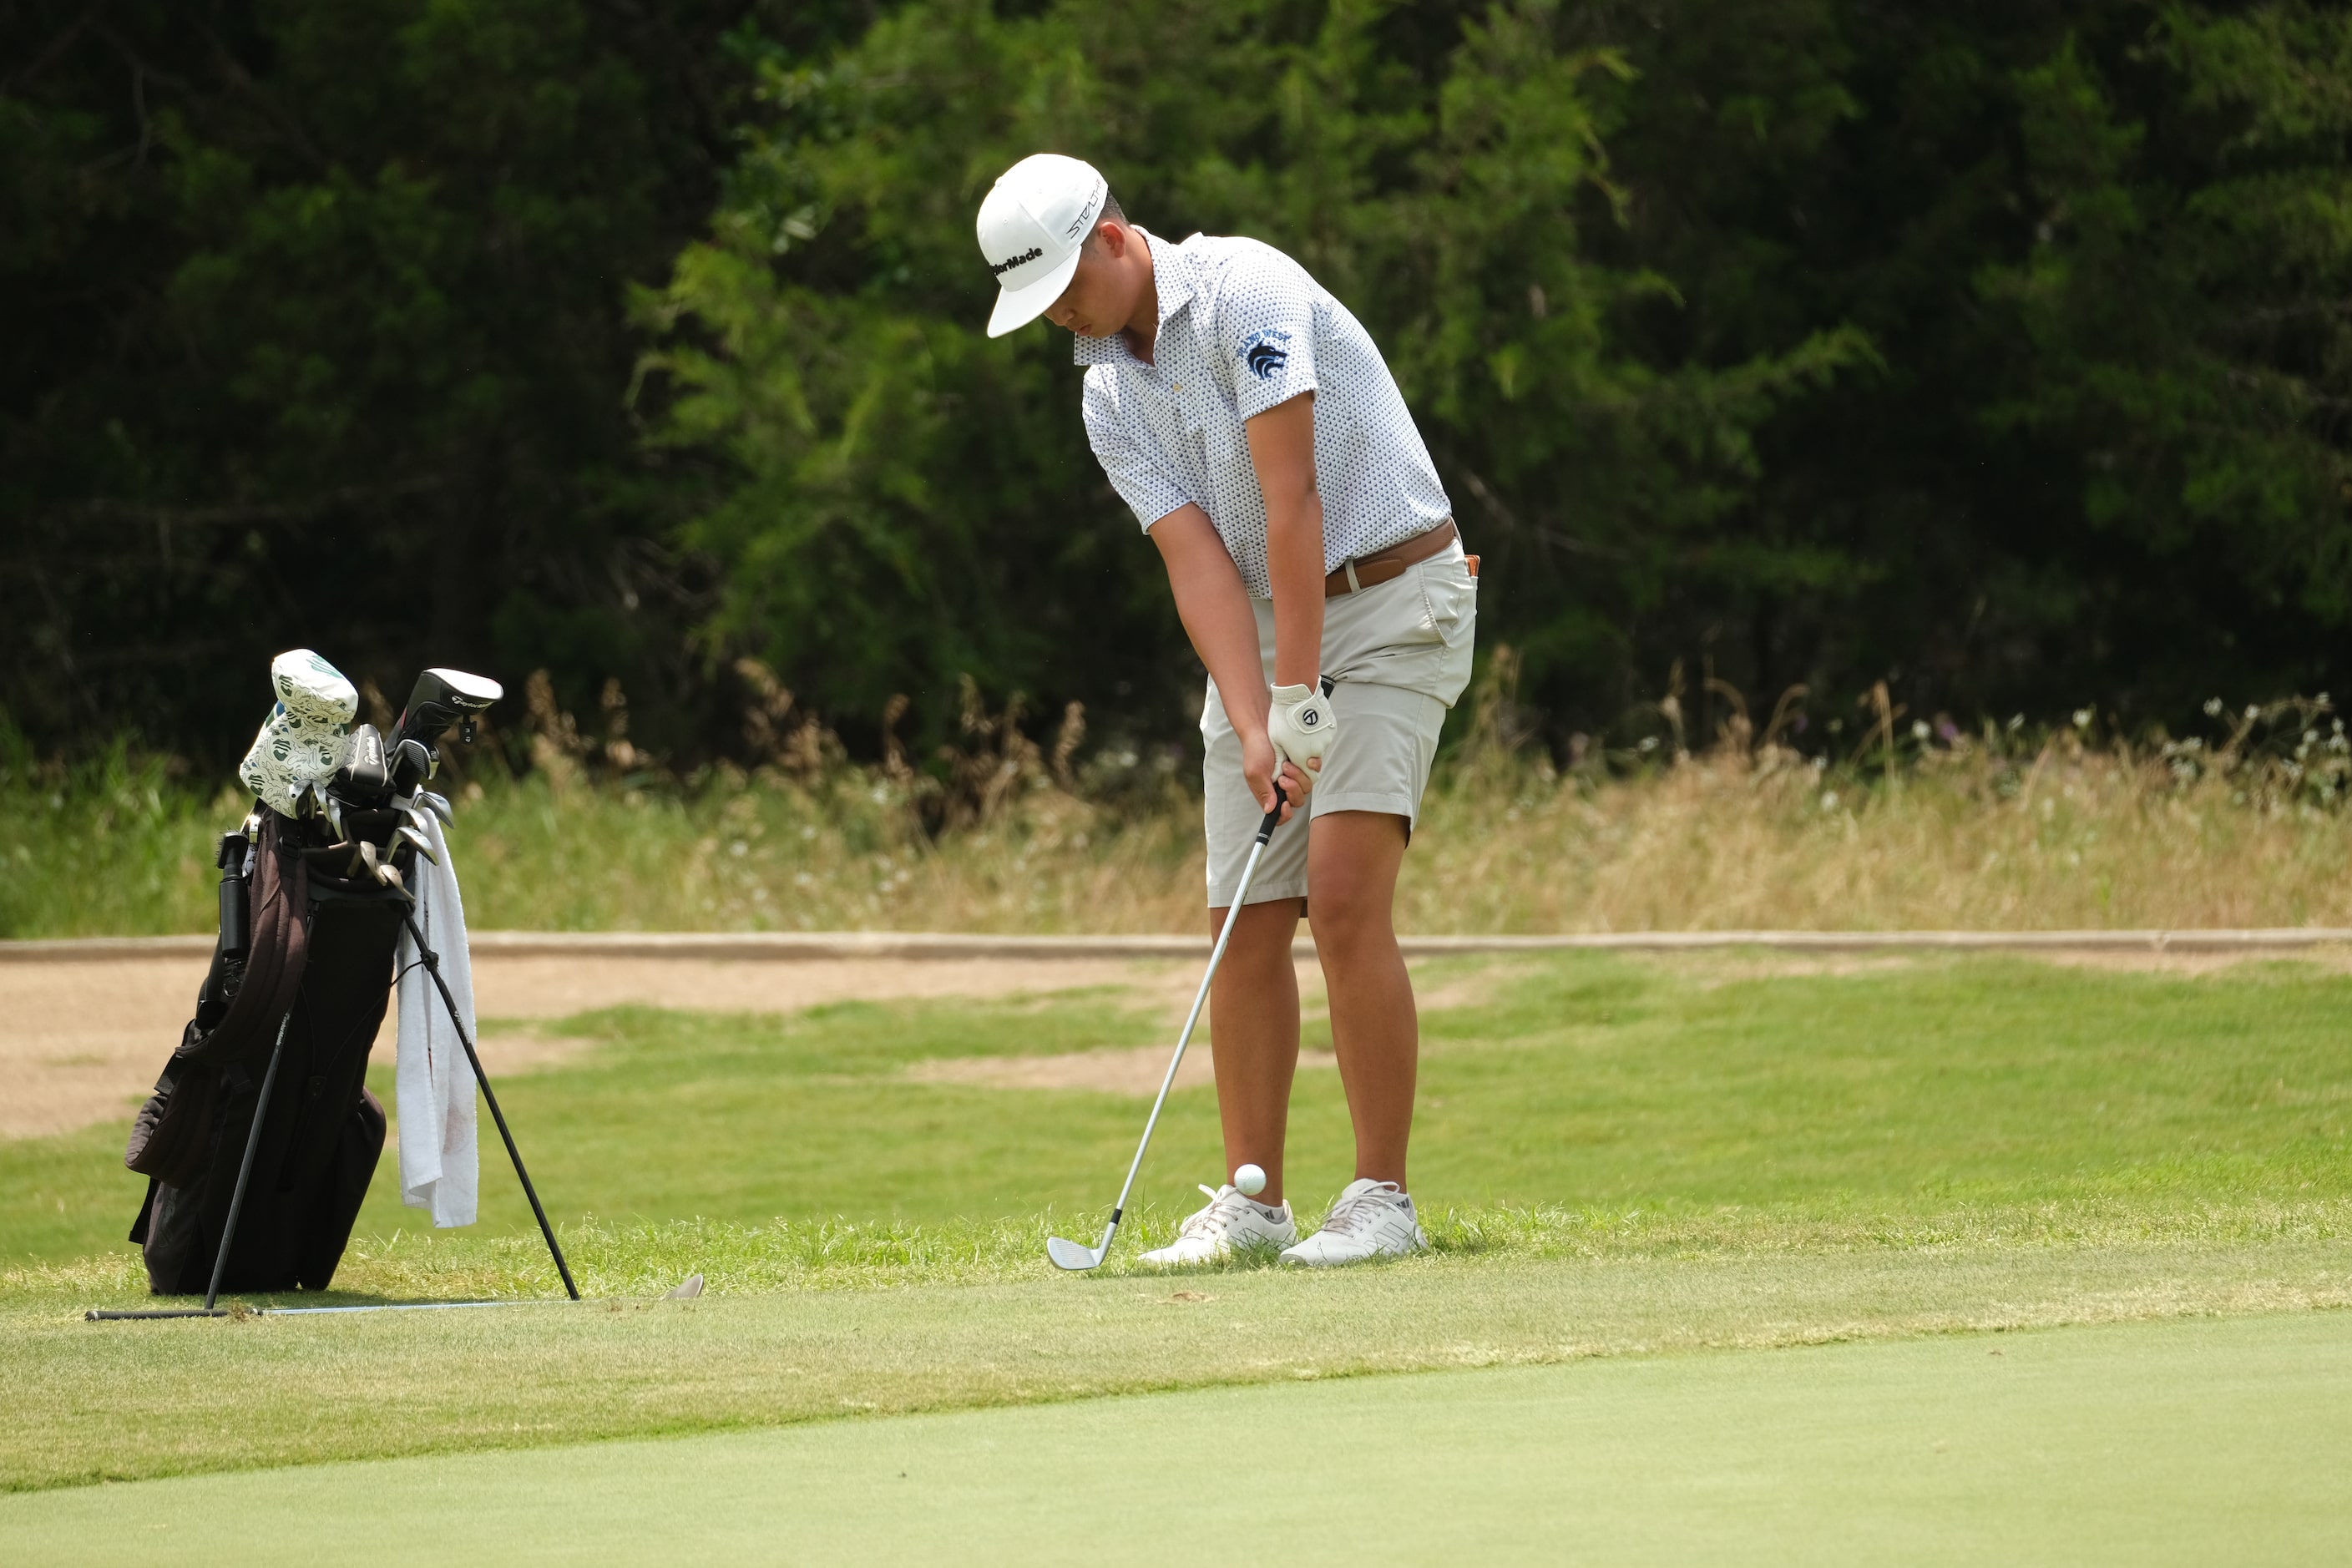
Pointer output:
432, 961
245, 1170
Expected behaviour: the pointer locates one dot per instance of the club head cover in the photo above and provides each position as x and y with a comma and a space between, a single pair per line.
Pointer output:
303, 740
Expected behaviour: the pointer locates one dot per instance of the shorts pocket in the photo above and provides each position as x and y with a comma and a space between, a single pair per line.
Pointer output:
1449, 597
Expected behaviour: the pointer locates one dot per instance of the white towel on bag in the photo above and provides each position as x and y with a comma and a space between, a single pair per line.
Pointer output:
439, 1166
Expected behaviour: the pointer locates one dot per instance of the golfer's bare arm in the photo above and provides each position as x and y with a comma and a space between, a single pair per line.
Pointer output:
1214, 606
1282, 449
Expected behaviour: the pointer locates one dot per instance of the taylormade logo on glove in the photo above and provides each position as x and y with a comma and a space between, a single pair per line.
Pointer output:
1302, 723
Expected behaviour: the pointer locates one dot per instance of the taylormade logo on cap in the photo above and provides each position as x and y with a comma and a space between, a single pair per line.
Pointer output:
1032, 228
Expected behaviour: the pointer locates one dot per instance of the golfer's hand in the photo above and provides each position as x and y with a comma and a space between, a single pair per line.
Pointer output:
1300, 722
1261, 765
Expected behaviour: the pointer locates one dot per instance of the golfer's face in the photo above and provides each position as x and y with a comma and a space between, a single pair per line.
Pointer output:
1091, 306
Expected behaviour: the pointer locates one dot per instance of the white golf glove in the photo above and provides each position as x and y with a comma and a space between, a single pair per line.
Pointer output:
1302, 723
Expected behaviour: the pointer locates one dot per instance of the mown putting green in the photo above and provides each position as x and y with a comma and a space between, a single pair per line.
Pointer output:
88, 1402
2185, 1442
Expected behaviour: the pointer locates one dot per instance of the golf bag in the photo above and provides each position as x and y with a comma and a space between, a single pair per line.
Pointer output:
303, 951
261, 1137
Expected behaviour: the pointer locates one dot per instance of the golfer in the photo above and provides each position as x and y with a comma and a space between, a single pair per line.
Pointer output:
1251, 424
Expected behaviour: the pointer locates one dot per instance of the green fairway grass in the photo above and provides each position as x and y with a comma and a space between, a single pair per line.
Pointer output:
2186, 1442
1579, 1080
1615, 1155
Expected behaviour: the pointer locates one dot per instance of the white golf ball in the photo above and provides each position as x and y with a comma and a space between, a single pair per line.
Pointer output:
1250, 1181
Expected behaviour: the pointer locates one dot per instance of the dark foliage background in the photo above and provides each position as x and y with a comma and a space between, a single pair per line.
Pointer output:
1999, 351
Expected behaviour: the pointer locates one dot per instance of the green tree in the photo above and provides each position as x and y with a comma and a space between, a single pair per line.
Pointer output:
2185, 301
1993, 348
2088, 241
314, 331
914, 502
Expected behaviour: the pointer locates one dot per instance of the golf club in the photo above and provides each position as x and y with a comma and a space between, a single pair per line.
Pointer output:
441, 697
1077, 1256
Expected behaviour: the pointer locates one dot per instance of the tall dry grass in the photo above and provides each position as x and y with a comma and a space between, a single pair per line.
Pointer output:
2083, 839
1917, 827
1913, 827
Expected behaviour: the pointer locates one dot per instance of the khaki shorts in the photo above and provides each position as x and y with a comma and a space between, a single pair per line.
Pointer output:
1398, 656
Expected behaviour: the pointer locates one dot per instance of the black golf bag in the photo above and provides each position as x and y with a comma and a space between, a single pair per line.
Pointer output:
314, 957
261, 1128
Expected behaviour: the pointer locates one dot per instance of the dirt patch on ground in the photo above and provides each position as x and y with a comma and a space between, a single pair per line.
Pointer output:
558, 987
81, 1041
1710, 969
2327, 959
1440, 984
1137, 1070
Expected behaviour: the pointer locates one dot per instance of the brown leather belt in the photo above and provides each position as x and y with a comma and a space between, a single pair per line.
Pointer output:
1385, 565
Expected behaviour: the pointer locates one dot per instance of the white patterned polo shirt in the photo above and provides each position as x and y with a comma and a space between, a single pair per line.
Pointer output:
1243, 329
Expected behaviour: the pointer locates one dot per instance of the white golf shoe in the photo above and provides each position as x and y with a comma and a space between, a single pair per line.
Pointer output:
1231, 1223
1371, 1219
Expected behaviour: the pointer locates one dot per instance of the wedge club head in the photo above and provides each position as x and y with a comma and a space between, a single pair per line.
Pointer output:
1077, 1256
439, 805
424, 846
384, 871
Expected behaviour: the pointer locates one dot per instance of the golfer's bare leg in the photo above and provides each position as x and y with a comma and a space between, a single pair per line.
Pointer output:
1254, 1026
1351, 868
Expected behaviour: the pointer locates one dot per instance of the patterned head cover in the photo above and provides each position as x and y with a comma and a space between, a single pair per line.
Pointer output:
303, 740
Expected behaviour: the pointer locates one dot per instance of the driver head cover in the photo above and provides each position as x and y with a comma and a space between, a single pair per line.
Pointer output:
303, 739
1032, 228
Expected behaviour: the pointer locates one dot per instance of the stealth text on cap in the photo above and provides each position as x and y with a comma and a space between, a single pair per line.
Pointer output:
1032, 254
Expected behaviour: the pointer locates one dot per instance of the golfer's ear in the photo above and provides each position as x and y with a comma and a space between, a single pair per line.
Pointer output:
1113, 237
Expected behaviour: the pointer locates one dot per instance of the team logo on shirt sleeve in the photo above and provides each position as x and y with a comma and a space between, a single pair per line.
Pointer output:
1265, 351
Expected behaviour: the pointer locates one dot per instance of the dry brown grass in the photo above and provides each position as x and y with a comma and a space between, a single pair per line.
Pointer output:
2063, 837
2071, 838
1917, 827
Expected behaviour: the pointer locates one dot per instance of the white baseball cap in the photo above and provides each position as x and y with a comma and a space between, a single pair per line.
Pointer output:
1031, 228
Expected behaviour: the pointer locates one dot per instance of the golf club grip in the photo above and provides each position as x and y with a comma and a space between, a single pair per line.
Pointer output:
1272, 818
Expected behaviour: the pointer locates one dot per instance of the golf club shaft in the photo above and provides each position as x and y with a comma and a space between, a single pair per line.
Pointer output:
1200, 998
432, 961
245, 1171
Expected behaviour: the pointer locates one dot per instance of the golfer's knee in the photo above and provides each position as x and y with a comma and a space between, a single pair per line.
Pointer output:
1352, 913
